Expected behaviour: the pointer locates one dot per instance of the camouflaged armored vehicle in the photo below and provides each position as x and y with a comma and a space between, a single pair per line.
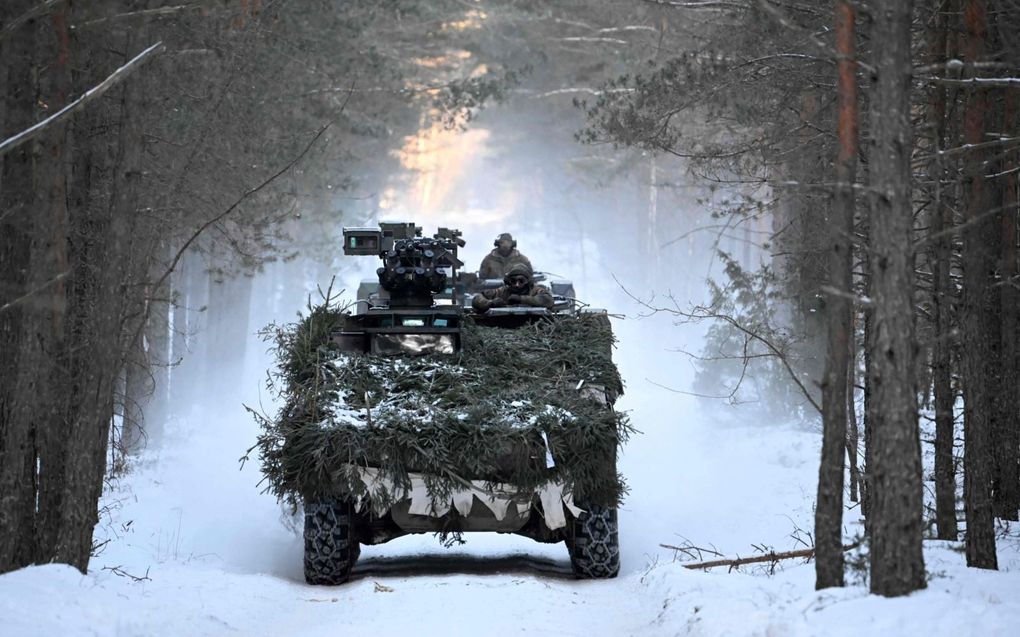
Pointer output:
409, 413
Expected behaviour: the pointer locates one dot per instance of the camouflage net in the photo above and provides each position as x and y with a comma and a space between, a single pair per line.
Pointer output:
478, 415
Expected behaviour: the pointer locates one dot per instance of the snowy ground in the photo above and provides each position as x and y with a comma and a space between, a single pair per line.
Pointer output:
214, 557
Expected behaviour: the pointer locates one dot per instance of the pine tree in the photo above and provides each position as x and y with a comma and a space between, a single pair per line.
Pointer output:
897, 564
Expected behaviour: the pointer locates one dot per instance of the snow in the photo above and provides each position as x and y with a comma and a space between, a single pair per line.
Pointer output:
214, 556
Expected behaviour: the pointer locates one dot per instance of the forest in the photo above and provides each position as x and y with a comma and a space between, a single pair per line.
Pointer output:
175, 173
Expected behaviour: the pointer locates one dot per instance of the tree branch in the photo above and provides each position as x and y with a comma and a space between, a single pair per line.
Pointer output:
771, 556
21, 299
252, 191
979, 82
144, 13
244, 197
35, 12
116, 77
705, 4
701, 313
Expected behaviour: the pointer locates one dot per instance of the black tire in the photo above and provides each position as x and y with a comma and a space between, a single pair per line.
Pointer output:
331, 546
594, 544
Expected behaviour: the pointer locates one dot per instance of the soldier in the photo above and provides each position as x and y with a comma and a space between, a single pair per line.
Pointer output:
518, 289
497, 263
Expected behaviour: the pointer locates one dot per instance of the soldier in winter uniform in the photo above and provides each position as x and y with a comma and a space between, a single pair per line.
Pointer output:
505, 255
518, 289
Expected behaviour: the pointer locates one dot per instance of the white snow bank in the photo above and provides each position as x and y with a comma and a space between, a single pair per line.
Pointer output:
190, 599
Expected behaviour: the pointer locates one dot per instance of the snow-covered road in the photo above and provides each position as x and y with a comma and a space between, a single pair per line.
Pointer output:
213, 556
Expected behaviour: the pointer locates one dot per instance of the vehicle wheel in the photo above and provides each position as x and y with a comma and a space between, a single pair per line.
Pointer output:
331, 547
594, 544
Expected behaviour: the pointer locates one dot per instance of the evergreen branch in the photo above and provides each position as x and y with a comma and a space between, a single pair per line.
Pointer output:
770, 557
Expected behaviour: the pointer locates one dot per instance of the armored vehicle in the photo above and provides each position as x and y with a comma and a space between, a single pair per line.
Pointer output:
414, 414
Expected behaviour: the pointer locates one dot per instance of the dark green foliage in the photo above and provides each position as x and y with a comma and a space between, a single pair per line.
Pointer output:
478, 415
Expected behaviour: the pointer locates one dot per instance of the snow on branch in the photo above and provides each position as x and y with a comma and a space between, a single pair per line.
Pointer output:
966, 148
593, 39
21, 299
579, 89
115, 78
989, 82
705, 4
628, 28
955, 66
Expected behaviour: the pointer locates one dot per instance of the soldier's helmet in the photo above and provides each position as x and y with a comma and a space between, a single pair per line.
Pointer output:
515, 274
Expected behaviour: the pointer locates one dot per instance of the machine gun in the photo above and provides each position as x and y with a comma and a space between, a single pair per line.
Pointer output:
415, 268
398, 314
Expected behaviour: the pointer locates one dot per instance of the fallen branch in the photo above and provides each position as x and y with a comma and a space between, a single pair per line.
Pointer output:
115, 78
117, 570
771, 556
690, 550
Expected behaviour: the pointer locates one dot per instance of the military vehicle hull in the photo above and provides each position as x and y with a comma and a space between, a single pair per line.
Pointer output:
414, 414
482, 502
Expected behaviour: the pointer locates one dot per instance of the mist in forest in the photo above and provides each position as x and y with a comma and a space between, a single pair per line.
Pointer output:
629, 245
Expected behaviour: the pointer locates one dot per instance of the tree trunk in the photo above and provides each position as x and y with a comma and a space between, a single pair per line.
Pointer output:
869, 406
853, 436
137, 390
1007, 495
191, 319
106, 295
52, 238
976, 358
18, 246
183, 305
897, 564
227, 333
829, 507
157, 339
942, 296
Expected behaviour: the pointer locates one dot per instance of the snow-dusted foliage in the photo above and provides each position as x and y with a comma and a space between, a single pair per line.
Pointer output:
516, 408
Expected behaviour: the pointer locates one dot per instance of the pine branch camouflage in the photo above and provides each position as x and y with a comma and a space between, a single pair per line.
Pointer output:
477, 415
